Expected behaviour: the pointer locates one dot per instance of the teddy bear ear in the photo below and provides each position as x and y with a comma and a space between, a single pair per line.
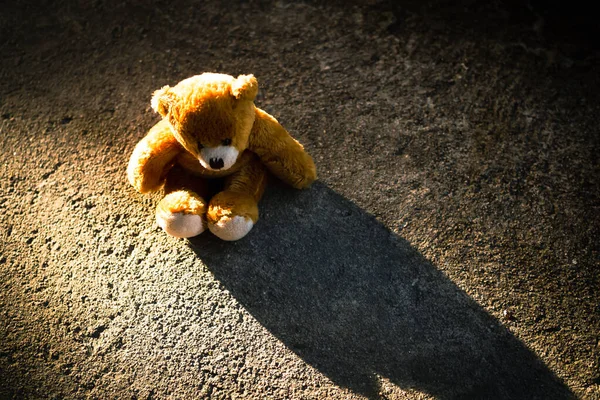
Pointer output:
162, 100
245, 87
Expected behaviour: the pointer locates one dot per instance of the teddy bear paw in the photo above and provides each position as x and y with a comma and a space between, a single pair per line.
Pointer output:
181, 214
231, 228
181, 225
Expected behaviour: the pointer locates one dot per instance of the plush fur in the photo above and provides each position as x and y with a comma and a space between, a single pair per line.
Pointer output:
210, 128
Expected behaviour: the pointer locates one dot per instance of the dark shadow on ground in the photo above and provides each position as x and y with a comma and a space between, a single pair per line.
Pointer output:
354, 300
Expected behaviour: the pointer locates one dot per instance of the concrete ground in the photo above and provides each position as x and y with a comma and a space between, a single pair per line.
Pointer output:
449, 250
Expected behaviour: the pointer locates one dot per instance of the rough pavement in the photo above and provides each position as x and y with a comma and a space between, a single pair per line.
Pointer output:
449, 250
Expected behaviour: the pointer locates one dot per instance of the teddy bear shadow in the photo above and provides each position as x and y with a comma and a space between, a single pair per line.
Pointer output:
358, 303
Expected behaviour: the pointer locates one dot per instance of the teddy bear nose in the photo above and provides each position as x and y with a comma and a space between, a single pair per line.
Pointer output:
216, 163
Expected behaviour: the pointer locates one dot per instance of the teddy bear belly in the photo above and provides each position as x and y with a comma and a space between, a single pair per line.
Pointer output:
191, 164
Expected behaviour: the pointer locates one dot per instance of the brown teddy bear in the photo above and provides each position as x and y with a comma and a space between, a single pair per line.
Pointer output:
210, 128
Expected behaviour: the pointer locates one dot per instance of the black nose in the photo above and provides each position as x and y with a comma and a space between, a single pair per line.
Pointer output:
216, 163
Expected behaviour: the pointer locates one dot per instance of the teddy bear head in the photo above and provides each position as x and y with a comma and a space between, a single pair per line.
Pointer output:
210, 115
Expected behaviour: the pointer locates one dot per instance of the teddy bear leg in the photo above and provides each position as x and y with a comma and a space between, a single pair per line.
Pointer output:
182, 212
233, 212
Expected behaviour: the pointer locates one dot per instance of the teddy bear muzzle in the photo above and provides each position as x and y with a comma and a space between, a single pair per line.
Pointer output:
218, 158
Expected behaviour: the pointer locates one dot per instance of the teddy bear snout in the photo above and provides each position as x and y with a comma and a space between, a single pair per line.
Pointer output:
218, 158
216, 163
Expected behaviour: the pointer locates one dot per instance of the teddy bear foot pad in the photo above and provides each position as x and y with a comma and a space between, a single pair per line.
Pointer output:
181, 225
229, 229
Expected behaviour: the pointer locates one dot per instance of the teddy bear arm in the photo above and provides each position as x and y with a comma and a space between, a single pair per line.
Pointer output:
280, 152
152, 158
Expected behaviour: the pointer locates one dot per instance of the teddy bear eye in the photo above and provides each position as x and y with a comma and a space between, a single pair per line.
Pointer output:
226, 142
200, 146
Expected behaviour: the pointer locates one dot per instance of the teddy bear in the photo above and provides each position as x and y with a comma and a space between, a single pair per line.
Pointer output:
213, 152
